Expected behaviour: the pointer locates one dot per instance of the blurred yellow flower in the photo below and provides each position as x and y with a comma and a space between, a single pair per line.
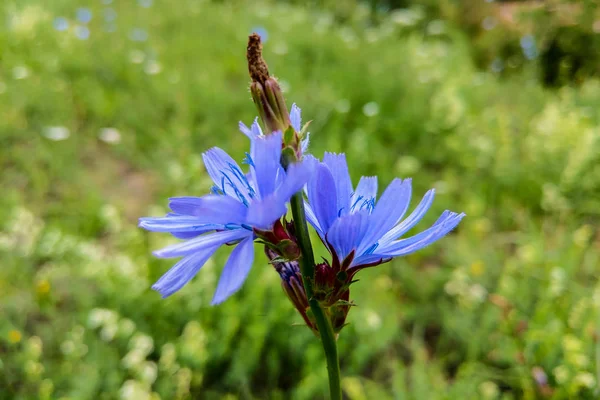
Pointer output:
14, 336
43, 287
477, 268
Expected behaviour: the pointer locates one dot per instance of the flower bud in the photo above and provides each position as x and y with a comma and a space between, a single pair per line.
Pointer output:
266, 92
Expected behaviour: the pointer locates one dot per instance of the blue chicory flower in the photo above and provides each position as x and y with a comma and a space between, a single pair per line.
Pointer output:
239, 203
361, 231
255, 131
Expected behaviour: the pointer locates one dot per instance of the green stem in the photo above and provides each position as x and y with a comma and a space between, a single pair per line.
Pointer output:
307, 268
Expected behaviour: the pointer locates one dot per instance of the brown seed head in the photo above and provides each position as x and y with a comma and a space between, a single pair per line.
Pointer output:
259, 72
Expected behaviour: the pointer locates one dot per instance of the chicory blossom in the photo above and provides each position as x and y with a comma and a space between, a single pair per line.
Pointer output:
240, 205
358, 229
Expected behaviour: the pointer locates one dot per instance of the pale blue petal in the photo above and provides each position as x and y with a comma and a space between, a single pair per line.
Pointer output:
312, 219
305, 143
227, 174
347, 232
182, 272
235, 271
343, 185
388, 211
266, 157
411, 220
262, 213
202, 242
253, 132
366, 190
443, 225
210, 209
296, 117
176, 224
246, 131
321, 196
296, 176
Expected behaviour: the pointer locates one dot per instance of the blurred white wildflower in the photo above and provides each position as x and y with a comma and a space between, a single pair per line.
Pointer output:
22, 233
436, 27
133, 359
148, 372
373, 320
134, 390
110, 135
108, 332
142, 343
57, 133
561, 374
67, 347
489, 390
34, 347
371, 109
33, 370
137, 56
406, 16
20, 72
585, 379
558, 280
152, 67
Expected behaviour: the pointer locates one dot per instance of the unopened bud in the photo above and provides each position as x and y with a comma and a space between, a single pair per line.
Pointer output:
266, 92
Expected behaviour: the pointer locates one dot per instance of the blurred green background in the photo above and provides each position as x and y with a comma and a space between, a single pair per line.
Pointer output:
106, 106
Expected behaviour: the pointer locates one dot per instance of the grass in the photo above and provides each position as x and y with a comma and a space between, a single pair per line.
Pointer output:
507, 307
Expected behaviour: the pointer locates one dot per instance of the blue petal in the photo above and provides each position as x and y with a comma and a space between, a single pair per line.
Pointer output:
305, 142
176, 224
365, 191
266, 156
202, 242
347, 232
226, 174
262, 213
297, 175
253, 132
296, 118
447, 221
210, 209
182, 272
321, 196
343, 185
388, 211
411, 220
312, 219
236, 270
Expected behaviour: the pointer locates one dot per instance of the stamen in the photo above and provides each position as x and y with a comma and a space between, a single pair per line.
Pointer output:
356, 202
371, 249
240, 175
248, 160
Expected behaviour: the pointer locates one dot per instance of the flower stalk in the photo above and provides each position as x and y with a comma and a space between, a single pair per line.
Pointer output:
307, 269
269, 100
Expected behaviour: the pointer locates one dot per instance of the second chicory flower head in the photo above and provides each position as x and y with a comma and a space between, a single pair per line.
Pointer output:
240, 203
360, 230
